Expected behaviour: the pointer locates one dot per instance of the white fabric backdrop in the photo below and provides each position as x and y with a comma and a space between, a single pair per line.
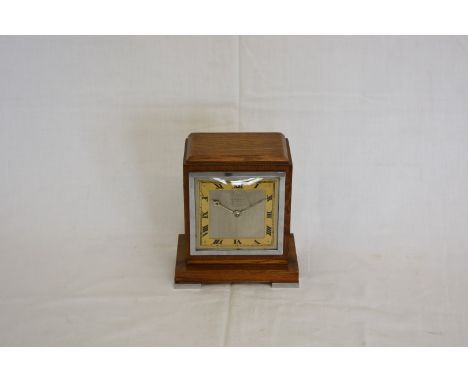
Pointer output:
91, 141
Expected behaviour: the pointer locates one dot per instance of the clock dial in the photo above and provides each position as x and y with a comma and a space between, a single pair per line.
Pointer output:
237, 213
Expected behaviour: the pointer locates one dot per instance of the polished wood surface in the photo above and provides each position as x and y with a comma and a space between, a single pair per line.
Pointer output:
236, 147
229, 273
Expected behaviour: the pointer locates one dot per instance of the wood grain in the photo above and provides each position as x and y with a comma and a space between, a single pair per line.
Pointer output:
228, 273
236, 147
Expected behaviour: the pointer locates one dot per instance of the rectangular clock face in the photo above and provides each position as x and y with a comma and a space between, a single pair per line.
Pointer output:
236, 213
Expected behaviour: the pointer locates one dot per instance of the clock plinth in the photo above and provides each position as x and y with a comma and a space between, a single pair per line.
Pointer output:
237, 209
235, 273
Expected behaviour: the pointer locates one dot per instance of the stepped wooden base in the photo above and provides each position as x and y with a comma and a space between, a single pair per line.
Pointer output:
235, 273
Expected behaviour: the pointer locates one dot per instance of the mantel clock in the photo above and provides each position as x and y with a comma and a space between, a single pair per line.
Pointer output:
237, 199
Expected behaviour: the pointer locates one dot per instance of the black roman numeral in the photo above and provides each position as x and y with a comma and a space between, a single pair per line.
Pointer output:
258, 184
236, 241
219, 186
217, 242
205, 230
269, 197
238, 186
268, 230
257, 242
204, 215
269, 214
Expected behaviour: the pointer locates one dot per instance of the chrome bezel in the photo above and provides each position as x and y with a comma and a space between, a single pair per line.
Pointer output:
194, 251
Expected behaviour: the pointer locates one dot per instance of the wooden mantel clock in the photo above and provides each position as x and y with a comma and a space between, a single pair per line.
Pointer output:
237, 199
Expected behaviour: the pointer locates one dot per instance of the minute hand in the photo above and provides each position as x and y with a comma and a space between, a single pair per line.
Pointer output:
252, 205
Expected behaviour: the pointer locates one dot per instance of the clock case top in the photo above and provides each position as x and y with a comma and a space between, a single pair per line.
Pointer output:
238, 152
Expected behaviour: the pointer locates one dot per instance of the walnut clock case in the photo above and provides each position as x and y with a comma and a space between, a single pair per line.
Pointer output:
237, 207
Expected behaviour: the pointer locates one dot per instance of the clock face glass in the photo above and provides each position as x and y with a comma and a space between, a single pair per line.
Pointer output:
236, 213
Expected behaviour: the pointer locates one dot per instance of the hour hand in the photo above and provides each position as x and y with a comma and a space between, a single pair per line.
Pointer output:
216, 202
